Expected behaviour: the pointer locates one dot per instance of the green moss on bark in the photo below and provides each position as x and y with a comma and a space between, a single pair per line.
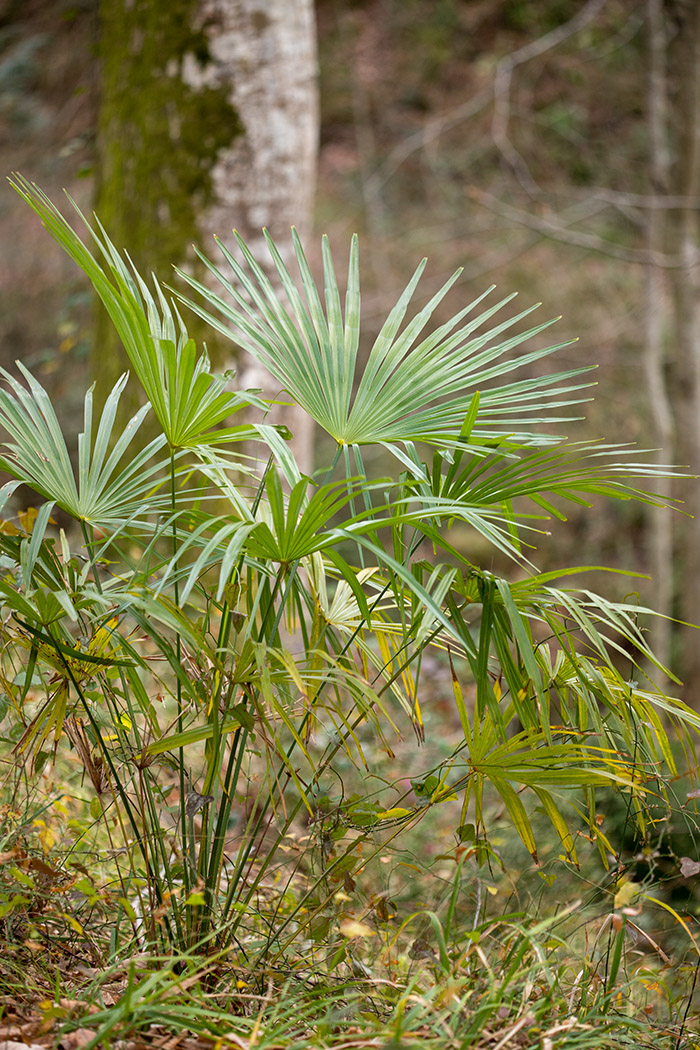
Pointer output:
159, 137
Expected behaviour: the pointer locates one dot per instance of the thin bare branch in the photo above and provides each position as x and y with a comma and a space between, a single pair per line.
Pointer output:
503, 81
556, 229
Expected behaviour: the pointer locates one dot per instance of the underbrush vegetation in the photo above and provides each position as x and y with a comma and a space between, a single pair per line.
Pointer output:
282, 767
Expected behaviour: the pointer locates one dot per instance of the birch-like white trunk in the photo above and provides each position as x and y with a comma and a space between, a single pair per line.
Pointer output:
266, 53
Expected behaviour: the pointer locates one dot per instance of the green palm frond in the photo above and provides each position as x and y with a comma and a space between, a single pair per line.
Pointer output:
571, 472
106, 493
413, 387
189, 401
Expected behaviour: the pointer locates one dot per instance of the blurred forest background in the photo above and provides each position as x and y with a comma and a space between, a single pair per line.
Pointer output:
548, 146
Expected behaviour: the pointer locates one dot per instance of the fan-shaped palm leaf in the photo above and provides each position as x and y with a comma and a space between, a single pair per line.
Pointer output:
188, 400
411, 388
106, 493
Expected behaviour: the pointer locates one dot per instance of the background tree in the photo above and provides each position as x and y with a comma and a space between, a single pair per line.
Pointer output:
505, 146
158, 138
267, 176
208, 120
682, 31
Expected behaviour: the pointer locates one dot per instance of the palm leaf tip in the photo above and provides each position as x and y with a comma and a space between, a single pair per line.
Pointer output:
35, 452
413, 386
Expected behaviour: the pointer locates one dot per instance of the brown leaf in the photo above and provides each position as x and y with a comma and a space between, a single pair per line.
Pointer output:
10, 1044
689, 867
78, 1004
11, 854
421, 949
384, 909
9, 1032
38, 865
194, 802
74, 1040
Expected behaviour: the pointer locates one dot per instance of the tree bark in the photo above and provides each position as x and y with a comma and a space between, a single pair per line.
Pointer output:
682, 244
660, 524
266, 54
266, 177
159, 138
208, 121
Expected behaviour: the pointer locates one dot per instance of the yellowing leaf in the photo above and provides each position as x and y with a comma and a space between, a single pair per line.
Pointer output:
195, 899
27, 518
626, 892
73, 922
127, 908
17, 901
22, 877
352, 928
389, 814
46, 835
97, 646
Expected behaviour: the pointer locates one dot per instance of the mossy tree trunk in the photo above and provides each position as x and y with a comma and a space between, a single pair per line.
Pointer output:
660, 523
208, 121
161, 129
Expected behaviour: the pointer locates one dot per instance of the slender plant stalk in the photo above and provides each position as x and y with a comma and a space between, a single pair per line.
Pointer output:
187, 846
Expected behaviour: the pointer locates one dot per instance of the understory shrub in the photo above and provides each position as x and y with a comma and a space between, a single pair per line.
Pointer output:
232, 649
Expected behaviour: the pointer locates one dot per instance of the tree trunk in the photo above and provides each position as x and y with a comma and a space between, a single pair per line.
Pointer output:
208, 121
682, 244
159, 138
660, 524
266, 53
266, 177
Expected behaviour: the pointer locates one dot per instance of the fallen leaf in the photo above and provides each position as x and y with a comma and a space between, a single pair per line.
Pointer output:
10, 1044
689, 867
11, 854
78, 1004
74, 1040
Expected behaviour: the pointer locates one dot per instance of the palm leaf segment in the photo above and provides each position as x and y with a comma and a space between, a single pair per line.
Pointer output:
413, 387
106, 492
188, 400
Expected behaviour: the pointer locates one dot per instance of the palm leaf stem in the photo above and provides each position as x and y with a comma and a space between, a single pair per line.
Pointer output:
187, 846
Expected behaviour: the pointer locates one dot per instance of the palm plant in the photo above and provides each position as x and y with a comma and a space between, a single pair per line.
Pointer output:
290, 614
